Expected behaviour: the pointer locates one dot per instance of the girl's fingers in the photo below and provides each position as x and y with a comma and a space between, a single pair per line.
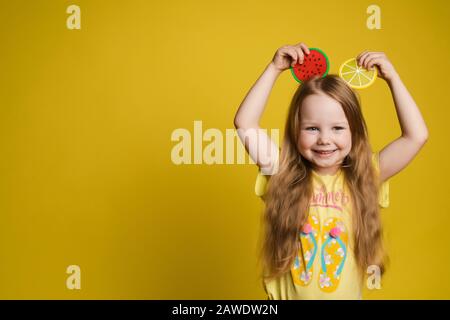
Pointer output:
373, 61
366, 56
299, 55
286, 52
358, 58
363, 58
359, 55
370, 59
293, 55
296, 53
304, 47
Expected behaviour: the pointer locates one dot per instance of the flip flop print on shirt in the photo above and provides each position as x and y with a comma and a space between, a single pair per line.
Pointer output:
333, 254
302, 270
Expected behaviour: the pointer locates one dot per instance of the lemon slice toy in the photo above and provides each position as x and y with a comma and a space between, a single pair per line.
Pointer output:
314, 64
357, 77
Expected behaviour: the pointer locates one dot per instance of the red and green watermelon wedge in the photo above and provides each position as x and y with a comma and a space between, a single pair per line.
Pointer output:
316, 63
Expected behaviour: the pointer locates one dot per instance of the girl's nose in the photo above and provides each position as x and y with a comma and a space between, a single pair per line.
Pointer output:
323, 138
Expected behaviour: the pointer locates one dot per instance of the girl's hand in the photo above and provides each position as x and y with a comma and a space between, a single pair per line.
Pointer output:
368, 59
287, 56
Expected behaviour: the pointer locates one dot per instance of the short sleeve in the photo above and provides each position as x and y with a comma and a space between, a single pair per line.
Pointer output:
261, 183
383, 198
263, 178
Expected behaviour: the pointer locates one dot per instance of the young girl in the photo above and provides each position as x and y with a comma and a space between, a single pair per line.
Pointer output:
322, 227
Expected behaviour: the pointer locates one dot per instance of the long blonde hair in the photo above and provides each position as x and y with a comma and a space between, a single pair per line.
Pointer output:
290, 189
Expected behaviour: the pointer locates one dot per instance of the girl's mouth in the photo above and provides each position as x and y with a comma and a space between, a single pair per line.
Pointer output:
324, 153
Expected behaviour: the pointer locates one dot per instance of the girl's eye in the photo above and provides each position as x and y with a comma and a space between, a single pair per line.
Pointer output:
313, 128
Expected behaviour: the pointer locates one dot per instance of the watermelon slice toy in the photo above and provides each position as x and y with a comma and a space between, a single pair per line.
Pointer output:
314, 64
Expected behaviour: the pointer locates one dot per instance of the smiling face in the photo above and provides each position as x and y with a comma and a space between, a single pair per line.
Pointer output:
324, 127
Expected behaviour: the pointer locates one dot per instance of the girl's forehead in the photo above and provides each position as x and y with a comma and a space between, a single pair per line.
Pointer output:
322, 108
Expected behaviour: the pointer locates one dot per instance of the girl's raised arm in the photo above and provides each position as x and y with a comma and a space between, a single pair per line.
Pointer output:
396, 155
261, 149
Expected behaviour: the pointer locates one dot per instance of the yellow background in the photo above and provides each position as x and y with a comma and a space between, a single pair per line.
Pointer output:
86, 118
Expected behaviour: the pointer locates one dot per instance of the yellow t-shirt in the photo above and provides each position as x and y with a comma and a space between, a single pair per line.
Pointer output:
325, 267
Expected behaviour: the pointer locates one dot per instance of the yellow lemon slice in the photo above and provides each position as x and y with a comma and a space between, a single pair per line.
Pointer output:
357, 77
